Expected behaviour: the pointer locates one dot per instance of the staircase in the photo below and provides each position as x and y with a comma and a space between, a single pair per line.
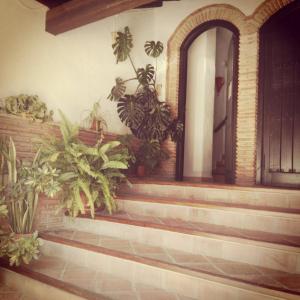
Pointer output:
173, 241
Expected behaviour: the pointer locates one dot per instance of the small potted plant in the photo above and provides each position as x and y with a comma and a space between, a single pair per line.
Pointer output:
94, 120
149, 157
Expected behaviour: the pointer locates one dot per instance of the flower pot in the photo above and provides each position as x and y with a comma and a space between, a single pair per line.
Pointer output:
18, 236
140, 171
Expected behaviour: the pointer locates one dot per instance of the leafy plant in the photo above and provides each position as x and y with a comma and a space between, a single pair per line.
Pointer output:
17, 249
143, 112
90, 173
94, 120
28, 106
22, 249
150, 154
24, 185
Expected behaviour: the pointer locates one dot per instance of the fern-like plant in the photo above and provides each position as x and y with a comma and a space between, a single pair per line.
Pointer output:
90, 175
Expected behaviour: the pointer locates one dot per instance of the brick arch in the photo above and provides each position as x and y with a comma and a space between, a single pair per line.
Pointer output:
268, 8
247, 98
209, 13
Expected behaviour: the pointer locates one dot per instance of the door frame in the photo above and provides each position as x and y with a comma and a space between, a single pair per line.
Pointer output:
272, 21
183, 84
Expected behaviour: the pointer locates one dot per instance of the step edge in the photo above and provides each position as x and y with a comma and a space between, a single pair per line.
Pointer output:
53, 282
232, 239
223, 280
216, 186
208, 206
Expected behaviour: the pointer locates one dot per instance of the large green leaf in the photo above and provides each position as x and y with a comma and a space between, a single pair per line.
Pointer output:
108, 146
130, 111
114, 165
123, 45
145, 75
155, 123
118, 90
154, 49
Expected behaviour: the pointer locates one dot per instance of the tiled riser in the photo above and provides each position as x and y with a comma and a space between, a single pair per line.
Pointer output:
35, 290
272, 256
252, 196
239, 218
185, 285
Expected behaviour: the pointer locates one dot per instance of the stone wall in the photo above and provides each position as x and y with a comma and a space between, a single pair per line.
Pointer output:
247, 100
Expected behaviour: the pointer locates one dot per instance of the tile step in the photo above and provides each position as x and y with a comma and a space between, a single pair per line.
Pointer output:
173, 234
258, 196
83, 282
179, 261
267, 219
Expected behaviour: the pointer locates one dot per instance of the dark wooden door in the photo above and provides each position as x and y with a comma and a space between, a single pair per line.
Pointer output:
280, 80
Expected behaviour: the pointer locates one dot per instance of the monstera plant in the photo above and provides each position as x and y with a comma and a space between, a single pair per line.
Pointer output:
143, 112
149, 118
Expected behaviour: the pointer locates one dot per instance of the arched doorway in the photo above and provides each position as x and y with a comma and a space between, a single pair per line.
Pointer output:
228, 123
279, 98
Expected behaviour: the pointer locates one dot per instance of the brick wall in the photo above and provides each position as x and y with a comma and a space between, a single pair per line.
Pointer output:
247, 101
24, 133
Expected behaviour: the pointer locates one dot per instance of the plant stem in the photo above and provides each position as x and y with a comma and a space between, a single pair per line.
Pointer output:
132, 65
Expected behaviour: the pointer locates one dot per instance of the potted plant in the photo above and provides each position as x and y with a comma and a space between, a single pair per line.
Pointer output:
23, 185
90, 175
94, 120
143, 112
149, 157
28, 106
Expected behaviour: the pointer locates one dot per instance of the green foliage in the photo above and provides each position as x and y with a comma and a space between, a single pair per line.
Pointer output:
150, 154
145, 75
131, 112
123, 45
22, 249
24, 184
29, 106
143, 112
95, 118
89, 174
154, 49
118, 90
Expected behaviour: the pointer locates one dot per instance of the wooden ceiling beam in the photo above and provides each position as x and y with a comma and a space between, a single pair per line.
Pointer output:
76, 13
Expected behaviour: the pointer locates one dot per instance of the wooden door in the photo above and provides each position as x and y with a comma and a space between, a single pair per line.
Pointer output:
280, 92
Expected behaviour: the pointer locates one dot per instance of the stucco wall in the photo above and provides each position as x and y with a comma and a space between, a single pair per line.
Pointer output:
72, 70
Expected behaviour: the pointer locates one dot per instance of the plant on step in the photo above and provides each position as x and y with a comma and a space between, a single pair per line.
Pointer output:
18, 203
28, 106
143, 112
150, 154
94, 120
25, 182
22, 248
90, 175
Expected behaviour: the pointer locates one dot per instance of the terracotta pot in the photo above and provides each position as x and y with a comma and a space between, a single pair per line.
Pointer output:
18, 236
140, 171
94, 125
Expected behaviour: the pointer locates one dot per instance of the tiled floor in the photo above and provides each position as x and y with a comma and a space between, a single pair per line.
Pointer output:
110, 286
205, 227
7, 293
219, 267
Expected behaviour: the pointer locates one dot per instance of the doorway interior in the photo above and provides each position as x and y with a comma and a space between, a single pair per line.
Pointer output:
207, 104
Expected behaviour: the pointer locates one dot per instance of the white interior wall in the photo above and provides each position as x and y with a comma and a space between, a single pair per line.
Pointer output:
73, 70
223, 43
200, 106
